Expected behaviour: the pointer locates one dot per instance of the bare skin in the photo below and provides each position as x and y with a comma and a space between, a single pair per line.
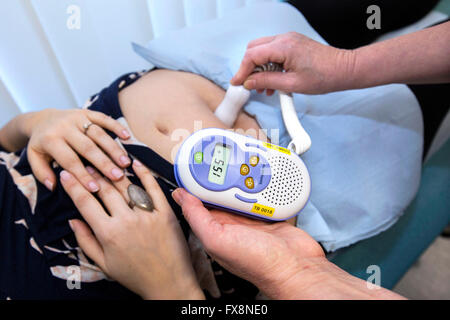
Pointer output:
164, 101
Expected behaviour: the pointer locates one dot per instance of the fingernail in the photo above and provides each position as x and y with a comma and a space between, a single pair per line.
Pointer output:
93, 186
249, 84
117, 173
125, 160
125, 133
177, 195
48, 184
137, 163
71, 225
90, 170
65, 176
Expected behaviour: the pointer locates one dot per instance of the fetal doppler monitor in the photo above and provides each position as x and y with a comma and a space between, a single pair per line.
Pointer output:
243, 175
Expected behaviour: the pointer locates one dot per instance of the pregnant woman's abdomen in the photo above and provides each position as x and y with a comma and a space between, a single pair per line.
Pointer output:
164, 107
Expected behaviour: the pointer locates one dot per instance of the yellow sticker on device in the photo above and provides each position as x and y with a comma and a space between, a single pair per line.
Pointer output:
275, 147
263, 210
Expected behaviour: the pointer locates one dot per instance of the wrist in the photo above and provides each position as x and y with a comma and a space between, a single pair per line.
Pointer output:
178, 291
29, 121
345, 70
299, 280
369, 68
189, 291
16, 133
317, 278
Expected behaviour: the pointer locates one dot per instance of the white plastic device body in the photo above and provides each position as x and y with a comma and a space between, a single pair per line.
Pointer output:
280, 186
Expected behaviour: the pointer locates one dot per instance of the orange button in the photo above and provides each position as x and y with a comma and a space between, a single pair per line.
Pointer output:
245, 169
249, 183
254, 160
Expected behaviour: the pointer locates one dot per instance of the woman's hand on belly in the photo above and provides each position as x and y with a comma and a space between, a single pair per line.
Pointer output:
144, 251
59, 135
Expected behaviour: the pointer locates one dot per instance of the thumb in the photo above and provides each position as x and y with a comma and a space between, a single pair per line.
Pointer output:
283, 81
202, 222
40, 165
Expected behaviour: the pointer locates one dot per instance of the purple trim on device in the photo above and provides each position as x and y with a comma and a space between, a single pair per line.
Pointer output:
244, 199
260, 173
255, 145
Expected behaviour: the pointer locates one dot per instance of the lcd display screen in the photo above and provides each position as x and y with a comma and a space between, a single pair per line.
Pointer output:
219, 164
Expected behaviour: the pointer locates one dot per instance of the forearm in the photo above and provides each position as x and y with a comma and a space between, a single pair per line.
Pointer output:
419, 57
15, 134
320, 279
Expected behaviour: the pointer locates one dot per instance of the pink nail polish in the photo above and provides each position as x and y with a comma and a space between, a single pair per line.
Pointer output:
90, 170
65, 175
125, 133
137, 163
48, 184
93, 186
125, 160
117, 173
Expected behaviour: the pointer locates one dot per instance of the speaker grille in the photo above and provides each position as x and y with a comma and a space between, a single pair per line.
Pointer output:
286, 183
